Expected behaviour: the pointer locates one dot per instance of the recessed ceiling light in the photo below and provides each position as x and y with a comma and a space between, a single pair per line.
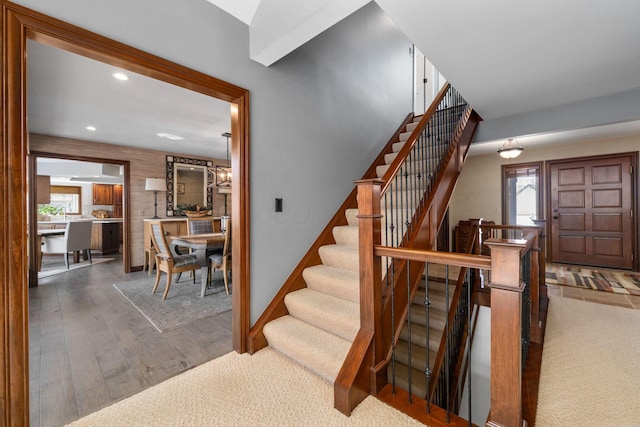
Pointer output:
120, 76
169, 136
91, 128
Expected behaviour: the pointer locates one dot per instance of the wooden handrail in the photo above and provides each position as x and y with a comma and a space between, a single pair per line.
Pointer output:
413, 138
436, 257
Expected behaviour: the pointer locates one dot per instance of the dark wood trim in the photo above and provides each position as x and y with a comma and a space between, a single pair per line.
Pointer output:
19, 24
276, 307
126, 224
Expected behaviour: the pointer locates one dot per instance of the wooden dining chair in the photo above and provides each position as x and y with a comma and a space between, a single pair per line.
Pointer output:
222, 260
168, 262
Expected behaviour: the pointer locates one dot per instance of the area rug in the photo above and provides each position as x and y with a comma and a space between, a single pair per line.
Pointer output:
263, 389
47, 272
602, 279
590, 371
183, 305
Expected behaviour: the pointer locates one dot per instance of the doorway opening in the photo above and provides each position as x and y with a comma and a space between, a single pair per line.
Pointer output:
21, 25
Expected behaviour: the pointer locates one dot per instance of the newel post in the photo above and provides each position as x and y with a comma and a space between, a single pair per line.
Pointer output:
506, 333
370, 265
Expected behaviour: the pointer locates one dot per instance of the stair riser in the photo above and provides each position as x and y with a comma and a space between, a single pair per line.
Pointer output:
346, 235
339, 257
334, 315
337, 282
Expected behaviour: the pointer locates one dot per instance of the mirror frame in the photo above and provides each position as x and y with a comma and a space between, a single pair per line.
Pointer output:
171, 182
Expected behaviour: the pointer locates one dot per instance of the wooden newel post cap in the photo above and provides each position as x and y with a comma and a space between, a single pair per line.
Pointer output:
505, 263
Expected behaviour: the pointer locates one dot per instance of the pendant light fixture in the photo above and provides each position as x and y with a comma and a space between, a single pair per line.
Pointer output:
222, 174
510, 149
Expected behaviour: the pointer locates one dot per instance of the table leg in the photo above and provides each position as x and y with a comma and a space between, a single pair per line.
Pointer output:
204, 272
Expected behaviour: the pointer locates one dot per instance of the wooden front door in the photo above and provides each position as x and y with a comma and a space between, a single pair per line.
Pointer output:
591, 211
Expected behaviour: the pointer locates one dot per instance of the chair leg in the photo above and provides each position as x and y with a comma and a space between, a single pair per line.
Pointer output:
89, 256
226, 280
66, 260
166, 290
155, 285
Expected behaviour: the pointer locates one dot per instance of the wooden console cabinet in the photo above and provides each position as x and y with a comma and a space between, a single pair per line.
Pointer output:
105, 237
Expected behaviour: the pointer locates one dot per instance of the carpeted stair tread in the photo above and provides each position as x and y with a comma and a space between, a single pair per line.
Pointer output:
405, 135
419, 333
352, 216
389, 158
418, 356
332, 314
338, 282
340, 256
317, 350
439, 270
437, 296
397, 146
437, 318
415, 167
411, 126
346, 235
418, 380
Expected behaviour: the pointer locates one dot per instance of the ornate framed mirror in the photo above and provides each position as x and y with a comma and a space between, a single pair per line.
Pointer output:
189, 183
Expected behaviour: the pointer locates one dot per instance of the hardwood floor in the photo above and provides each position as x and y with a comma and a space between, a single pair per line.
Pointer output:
89, 347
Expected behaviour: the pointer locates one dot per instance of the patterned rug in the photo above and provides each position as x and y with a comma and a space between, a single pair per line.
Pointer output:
183, 305
601, 279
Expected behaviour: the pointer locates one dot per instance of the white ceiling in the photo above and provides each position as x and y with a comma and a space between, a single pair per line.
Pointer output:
67, 92
505, 57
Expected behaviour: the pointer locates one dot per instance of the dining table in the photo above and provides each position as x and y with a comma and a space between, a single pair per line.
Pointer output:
201, 245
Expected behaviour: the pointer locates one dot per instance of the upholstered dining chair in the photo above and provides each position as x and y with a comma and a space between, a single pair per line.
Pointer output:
199, 226
222, 260
168, 262
202, 226
76, 238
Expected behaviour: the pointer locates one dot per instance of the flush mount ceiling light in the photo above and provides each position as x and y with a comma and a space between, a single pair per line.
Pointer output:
169, 136
510, 149
91, 128
120, 76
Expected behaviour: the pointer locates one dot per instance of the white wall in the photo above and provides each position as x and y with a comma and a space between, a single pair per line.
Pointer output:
318, 117
478, 191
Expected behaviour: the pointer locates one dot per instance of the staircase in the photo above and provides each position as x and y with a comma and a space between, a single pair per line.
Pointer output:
324, 317
412, 344
315, 318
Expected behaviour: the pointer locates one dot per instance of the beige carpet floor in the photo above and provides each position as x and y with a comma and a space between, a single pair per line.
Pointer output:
590, 374
265, 389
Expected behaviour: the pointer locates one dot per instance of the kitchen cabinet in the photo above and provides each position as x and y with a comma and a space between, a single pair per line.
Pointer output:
117, 201
105, 237
102, 194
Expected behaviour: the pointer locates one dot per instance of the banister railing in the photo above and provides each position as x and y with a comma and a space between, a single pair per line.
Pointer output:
417, 187
535, 234
508, 265
417, 166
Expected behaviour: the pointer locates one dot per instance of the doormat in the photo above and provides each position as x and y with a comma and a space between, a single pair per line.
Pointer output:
601, 279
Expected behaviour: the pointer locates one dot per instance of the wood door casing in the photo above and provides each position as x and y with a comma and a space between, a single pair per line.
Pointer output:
591, 202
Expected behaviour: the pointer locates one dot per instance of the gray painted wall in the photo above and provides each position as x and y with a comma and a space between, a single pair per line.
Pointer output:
318, 116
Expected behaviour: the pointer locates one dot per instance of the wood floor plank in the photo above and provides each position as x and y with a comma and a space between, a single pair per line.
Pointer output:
89, 347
